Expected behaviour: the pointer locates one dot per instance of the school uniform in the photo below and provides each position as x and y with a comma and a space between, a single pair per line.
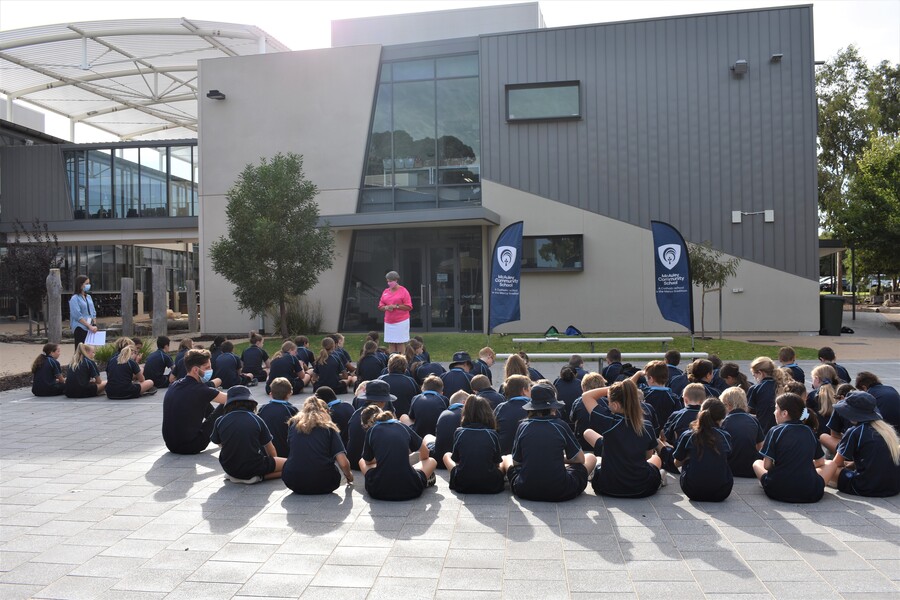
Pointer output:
425, 410
329, 374
456, 379
663, 400
275, 414
534, 374
356, 438
369, 367
228, 368
404, 387
285, 366
155, 368
567, 392
673, 372
678, 383
719, 384
188, 416
793, 447
120, 384
705, 474
679, 422
476, 452
508, 415
479, 367
492, 396
745, 434
611, 371
446, 426
888, 401
80, 380
254, 359
389, 444
344, 356
214, 353
842, 372
538, 471
761, 400
426, 369
814, 406
341, 412
623, 470
602, 408
579, 373
581, 420
796, 372
179, 370
310, 467
243, 436
874, 474
306, 355
44, 382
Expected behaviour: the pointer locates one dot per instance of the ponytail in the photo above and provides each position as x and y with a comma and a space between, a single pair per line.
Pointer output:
567, 374
327, 348
368, 348
712, 411
734, 371
627, 395
286, 348
255, 337
80, 354
374, 414
828, 390
125, 355
46, 351
890, 438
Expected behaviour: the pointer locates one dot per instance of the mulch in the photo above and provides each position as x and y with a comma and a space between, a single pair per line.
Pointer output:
12, 382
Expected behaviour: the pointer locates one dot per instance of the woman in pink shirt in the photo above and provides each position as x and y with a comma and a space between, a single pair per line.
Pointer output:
395, 304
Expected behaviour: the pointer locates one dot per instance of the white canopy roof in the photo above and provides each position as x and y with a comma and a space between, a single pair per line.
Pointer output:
136, 79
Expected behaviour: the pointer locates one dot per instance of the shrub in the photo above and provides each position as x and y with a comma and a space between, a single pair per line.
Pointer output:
303, 316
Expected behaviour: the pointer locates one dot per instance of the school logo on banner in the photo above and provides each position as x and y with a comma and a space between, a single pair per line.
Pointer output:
506, 257
506, 269
674, 296
669, 255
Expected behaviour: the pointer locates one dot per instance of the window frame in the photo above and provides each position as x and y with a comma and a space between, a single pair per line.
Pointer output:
576, 83
530, 238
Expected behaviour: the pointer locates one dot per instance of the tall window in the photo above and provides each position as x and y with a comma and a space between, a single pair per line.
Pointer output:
424, 146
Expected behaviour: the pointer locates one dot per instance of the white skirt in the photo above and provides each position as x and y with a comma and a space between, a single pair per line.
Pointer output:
396, 333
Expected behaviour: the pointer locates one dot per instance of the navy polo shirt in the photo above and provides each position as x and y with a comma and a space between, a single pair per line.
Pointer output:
429, 369
679, 422
874, 474
120, 378
611, 371
602, 408
673, 372
82, 376
253, 359
243, 436
179, 369
567, 392
663, 400
185, 406
624, 470
705, 474
719, 384
369, 367
761, 400
745, 434
306, 355
404, 387
329, 373
534, 374
340, 413
842, 373
228, 369
285, 366
479, 367
310, 467
446, 426
276, 414
888, 401
796, 372
813, 404
492, 396
508, 416
793, 447
456, 379
476, 452
581, 419
44, 382
389, 443
678, 383
155, 368
541, 474
356, 437
425, 410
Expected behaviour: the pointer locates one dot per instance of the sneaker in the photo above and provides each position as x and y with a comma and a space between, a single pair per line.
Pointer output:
252, 480
253, 382
432, 479
663, 478
150, 392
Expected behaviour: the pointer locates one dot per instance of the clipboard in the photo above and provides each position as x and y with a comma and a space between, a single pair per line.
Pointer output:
96, 339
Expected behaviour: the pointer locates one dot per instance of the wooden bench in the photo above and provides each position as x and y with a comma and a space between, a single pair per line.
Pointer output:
601, 356
593, 340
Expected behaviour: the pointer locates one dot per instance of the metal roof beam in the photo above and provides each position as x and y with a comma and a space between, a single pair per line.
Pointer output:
209, 39
62, 37
105, 111
149, 130
101, 76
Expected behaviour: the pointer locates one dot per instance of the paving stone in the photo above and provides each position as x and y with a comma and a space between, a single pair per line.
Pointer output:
267, 585
35, 573
453, 578
76, 588
345, 576
388, 588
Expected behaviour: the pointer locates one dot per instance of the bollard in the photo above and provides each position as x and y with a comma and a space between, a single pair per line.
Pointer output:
160, 305
127, 310
191, 306
54, 307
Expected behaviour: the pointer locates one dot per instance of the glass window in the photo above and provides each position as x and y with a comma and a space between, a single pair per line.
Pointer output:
99, 184
553, 253
380, 161
536, 101
181, 186
128, 199
154, 196
373, 256
458, 131
458, 66
413, 69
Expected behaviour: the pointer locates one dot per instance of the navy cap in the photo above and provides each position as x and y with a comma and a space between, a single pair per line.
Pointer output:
461, 357
377, 390
859, 407
239, 392
543, 397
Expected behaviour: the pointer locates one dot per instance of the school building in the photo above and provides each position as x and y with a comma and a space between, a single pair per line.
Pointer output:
427, 134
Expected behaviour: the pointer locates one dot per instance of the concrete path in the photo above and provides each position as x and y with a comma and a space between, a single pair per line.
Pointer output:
93, 506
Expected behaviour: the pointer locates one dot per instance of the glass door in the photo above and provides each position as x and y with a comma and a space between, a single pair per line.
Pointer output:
412, 277
442, 292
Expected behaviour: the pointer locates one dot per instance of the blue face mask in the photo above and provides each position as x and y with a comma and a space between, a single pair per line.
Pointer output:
87, 287
207, 375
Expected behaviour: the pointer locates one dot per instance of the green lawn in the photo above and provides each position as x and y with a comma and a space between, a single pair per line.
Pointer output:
441, 346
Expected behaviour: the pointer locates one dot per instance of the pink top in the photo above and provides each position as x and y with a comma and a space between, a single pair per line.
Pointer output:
399, 295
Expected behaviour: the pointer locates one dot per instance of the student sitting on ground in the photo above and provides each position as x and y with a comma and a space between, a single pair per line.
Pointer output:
746, 434
124, 377
247, 455
656, 393
159, 366
836, 425
276, 413
84, 379
475, 460
375, 392
304, 354
315, 449
178, 370
568, 389
481, 386
255, 358
482, 366
188, 416
580, 417
733, 377
447, 423
47, 376
679, 422
788, 359
339, 411
673, 359
285, 364
533, 373
821, 399
702, 454
717, 381
828, 357
886, 397
402, 386
229, 369
427, 407
613, 365
459, 376
509, 413
761, 396
369, 365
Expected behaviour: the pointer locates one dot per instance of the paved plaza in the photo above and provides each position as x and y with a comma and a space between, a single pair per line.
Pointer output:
93, 506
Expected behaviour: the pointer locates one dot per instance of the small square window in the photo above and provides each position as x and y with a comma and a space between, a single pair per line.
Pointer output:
553, 253
559, 100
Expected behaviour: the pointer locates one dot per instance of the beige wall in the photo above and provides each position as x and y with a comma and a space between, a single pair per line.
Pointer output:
615, 292
316, 103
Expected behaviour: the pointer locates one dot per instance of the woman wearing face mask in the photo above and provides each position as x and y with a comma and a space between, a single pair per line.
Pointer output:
81, 310
395, 304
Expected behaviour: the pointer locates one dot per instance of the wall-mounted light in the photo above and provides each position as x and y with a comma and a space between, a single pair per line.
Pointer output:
776, 58
739, 67
215, 95
768, 215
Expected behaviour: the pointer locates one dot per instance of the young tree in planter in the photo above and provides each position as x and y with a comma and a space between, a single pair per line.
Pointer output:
710, 272
28, 260
274, 250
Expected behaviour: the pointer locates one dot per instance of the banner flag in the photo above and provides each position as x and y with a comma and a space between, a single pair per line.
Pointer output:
506, 268
673, 275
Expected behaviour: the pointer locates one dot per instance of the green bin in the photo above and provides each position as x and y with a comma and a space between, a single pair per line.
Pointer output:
831, 314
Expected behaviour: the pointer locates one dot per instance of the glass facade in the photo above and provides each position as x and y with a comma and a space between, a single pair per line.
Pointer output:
132, 181
543, 101
424, 147
106, 265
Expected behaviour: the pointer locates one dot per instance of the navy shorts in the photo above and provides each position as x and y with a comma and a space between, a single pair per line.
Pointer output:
135, 392
845, 482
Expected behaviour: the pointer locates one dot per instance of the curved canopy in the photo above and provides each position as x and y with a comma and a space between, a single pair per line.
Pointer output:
135, 79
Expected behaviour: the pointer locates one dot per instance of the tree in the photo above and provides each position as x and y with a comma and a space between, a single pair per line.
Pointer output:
28, 260
274, 251
709, 272
884, 98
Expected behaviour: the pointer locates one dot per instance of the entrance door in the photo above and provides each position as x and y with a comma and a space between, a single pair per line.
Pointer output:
429, 274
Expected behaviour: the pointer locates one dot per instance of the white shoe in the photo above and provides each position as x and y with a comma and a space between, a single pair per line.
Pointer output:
252, 480
663, 479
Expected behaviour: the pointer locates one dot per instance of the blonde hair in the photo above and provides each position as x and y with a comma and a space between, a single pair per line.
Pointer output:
694, 393
80, 354
125, 354
827, 391
734, 398
286, 348
764, 365
890, 438
592, 381
122, 342
314, 413
627, 395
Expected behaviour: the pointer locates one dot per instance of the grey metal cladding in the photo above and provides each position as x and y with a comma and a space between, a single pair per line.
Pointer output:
34, 184
668, 131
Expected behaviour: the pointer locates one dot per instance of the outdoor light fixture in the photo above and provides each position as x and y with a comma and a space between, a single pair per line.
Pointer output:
215, 95
768, 215
739, 67
776, 58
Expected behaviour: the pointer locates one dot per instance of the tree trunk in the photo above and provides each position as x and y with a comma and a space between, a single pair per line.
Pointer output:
702, 314
282, 307
29, 322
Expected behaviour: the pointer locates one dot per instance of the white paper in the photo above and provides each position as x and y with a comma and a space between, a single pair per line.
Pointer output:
96, 339
167, 371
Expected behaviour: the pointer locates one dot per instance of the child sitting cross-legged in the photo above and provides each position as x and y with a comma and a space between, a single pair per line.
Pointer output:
248, 454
